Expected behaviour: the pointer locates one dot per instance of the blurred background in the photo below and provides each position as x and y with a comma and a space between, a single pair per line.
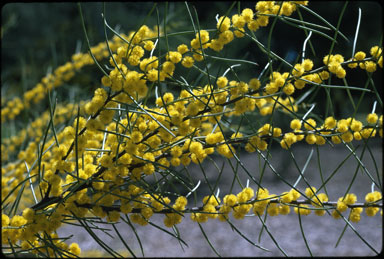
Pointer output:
38, 36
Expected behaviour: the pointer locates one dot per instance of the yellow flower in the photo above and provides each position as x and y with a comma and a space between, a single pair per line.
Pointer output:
284, 209
262, 20
298, 70
371, 211
350, 198
238, 21
273, 209
360, 55
289, 89
342, 126
368, 133
310, 124
253, 25
370, 66
216, 45
302, 209
286, 197
347, 136
113, 216
223, 23
376, 51
311, 139
181, 202
254, 83
247, 14
372, 118
226, 37
28, 214
187, 62
152, 75
356, 125
310, 191
307, 64
136, 136
355, 214
196, 147
74, 249
295, 124
341, 73
182, 49
149, 45
4, 220
174, 56
287, 8
168, 67
373, 196
222, 82
127, 208
230, 200
203, 35
341, 206
271, 88
198, 56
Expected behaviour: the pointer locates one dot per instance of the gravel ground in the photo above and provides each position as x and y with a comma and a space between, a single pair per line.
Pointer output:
321, 233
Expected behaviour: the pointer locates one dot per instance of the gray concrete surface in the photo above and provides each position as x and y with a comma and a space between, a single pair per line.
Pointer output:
321, 233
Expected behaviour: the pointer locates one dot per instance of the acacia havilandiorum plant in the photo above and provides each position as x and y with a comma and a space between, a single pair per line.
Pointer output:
116, 156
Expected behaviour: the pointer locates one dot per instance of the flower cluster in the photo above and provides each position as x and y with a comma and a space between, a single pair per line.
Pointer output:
35, 131
368, 64
344, 130
142, 206
60, 75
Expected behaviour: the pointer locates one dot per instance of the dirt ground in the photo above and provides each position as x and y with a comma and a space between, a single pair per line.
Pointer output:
321, 233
